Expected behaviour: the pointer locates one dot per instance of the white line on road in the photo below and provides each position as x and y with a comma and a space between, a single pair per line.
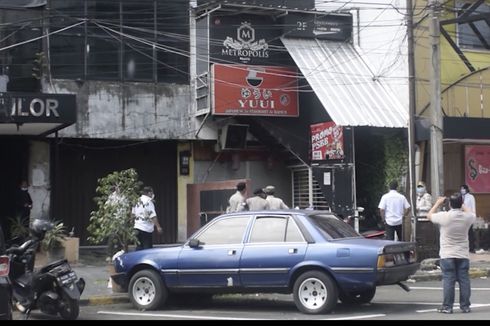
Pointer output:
436, 288
141, 314
356, 317
476, 305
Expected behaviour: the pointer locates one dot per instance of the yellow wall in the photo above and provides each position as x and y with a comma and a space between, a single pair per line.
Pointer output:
182, 182
465, 99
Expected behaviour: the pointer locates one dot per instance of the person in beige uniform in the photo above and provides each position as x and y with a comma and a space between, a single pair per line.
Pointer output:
274, 202
257, 202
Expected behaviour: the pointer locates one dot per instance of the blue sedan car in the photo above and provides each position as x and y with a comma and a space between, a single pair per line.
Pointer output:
311, 254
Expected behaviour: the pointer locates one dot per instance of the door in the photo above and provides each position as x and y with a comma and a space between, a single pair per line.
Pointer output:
274, 247
215, 262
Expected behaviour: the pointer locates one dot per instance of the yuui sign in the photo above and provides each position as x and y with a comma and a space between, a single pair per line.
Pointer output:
255, 90
327, 141
477, 168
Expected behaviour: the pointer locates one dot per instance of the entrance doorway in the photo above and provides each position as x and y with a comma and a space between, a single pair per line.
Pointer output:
14, 166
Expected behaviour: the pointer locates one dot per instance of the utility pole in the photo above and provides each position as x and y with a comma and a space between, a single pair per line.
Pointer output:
411, 120
436, 156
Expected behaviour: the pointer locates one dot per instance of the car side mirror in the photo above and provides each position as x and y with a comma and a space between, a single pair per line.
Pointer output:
194, 243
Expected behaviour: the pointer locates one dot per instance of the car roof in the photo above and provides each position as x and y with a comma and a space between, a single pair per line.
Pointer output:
304, 212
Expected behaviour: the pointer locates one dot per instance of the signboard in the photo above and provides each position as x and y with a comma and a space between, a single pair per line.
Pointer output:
245, 39
327, 26
327, 141
477, 168
37, 108
255, 90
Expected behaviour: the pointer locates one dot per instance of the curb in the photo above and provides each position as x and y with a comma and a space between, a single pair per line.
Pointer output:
98, 300
473, 273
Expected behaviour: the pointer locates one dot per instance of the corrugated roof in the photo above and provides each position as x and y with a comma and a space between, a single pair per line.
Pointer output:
345, 85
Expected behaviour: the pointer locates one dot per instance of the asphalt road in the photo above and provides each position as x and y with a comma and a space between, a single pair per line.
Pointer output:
390, 303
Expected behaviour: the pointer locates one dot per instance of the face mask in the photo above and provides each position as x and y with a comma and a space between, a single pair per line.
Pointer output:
24, 189
463, 191
421, 190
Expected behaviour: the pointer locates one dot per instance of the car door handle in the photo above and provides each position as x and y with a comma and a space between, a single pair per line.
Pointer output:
293, 250
231, 252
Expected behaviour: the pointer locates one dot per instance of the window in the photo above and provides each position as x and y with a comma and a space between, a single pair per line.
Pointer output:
275, 229
227, 231
474, 31
333, 228
116, 41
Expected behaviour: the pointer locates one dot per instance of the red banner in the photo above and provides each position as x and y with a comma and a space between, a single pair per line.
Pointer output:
477, 168
327, 141
255, 90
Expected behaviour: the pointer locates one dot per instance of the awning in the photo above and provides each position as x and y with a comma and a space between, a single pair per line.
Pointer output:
36, 114
344, 84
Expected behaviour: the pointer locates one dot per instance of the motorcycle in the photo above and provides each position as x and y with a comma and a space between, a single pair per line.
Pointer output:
377, 232
54, 288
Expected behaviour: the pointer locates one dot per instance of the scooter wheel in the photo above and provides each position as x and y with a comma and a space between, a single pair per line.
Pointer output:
70, 308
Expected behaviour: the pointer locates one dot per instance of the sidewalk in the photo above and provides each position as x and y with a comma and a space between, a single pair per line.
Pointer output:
93, 269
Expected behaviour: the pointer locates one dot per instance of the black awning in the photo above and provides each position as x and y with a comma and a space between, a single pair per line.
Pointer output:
36, 113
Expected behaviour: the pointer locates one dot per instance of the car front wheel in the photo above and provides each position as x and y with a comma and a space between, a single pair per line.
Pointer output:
147, 290
314, 292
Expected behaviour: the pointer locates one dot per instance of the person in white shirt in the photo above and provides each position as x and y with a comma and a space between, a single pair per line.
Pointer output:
145, 219
392, 207
237, 200
470, 204
274, 202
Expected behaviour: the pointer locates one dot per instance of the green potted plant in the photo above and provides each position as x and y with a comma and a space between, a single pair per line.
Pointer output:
52, 244
112, 222
19, 229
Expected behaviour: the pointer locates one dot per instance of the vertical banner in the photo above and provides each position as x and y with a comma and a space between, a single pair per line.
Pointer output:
477, 168
327, 141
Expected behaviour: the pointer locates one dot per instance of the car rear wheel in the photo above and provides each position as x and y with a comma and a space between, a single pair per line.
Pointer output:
147, 290
314, 292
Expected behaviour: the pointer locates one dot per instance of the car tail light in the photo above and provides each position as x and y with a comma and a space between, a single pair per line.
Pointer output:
4, 266
386, 260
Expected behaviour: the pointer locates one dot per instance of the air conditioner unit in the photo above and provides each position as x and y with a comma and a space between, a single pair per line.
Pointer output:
233, 136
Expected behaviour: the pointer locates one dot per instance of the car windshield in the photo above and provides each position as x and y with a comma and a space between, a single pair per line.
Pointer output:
332, 227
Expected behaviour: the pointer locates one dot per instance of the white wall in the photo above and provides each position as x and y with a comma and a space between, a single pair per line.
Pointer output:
40, 187
113, 110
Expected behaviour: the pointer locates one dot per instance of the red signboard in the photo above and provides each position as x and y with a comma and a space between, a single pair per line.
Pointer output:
477, 168
327, 141
255, 90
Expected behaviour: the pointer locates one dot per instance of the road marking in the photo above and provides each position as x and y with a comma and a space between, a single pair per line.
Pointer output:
476, 305
436, 288
144, 314
356, 317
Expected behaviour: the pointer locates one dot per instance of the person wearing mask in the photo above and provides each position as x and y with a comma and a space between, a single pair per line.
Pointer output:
145, 219
424, 200
392, 207
454, 250
274, 202
237, 200
23, 203
258, 201
469, 202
